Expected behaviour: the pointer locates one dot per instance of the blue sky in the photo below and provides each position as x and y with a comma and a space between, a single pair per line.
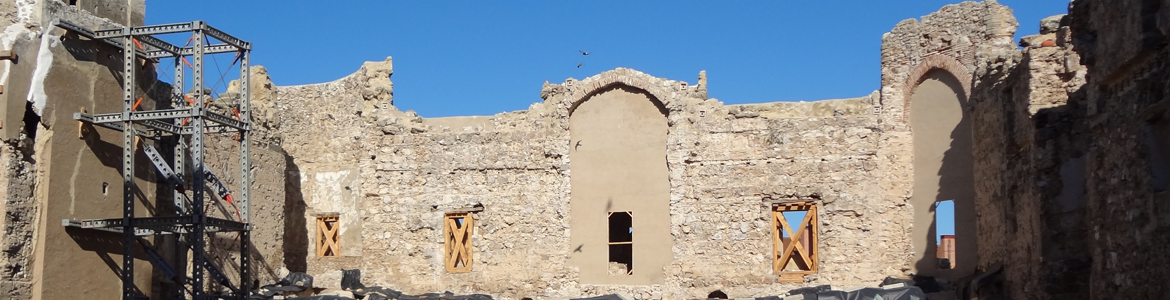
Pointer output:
944, 217
482, 58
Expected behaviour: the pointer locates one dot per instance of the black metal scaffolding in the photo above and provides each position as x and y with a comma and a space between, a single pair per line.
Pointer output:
188, 120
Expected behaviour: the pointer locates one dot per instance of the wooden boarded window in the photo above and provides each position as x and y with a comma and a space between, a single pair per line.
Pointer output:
794, 240
457, 228
327, 241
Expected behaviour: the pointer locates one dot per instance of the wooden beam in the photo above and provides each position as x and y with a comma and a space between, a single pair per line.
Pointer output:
470, 209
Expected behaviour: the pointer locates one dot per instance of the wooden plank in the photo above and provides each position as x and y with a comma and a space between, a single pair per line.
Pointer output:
333, 242
448, 231
777, 243
469, 229
803, 252
815, 238
791, 278
793, 241
467, 209
320, 237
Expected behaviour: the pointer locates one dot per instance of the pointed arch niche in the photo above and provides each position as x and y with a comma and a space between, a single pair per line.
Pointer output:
943, 170
618, 167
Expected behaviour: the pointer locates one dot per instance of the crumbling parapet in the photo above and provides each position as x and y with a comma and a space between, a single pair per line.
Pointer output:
959, 38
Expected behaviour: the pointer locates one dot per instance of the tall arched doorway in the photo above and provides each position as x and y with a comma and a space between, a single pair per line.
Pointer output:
620, 198
943, 171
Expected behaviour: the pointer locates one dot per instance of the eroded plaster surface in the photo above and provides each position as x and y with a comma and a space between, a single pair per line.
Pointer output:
618, 164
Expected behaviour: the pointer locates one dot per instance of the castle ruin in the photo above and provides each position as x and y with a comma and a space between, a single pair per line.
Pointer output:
1054, 150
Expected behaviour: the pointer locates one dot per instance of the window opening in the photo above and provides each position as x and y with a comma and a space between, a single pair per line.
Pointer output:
1155, 134
457, 228
621, 243
944, 231
327, 232
794, 240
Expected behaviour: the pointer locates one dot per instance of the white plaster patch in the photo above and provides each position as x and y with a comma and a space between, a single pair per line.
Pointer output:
337, 192
328, 190
7, 40
24, 10
36, 92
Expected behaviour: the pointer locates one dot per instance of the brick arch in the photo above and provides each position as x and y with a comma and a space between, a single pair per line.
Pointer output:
930, 63
614, 78
655, 99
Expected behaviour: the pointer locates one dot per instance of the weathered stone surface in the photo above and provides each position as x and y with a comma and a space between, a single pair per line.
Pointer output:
1070, 169
1052, 24
517, 165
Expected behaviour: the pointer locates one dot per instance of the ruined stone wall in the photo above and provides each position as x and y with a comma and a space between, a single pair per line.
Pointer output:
326, 130
267, 197
19, 209
52, 78
725, 165
958, 40
1123, 44
1072, 156
19, 222
1030, 151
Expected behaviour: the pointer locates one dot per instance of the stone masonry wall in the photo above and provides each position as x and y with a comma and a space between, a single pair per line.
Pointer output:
959, 39
1030, 168
517, 166
1124, 46
326, 130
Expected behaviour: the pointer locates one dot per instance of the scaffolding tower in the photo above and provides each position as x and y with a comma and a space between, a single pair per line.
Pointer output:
187, 119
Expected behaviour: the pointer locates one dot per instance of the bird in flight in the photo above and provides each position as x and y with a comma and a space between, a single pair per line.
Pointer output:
579, 65
583, 52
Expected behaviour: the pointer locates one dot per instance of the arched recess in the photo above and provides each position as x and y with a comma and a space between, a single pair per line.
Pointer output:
943, 170
930, 63
619, 176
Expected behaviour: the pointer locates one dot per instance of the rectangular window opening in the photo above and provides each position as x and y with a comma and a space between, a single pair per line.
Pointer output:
327, 233
794, 240
1156, 135
944, 231
457, 230
621, 243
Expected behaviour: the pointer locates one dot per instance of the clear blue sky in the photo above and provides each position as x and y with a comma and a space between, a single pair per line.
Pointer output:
944, 219
486, 57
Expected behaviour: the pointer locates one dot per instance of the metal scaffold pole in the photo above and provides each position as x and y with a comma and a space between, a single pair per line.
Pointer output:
128, 60
196, 235
245, 201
